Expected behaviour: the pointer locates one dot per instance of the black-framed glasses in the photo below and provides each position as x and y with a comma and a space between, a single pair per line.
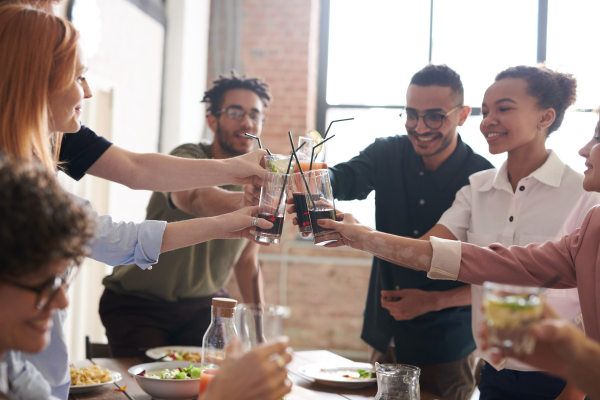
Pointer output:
47, 291
237, 114
432, 120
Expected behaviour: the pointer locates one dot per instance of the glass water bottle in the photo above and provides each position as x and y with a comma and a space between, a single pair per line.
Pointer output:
219, 333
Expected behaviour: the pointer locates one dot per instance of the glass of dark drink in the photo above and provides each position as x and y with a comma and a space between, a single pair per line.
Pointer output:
273, 196
321, 206
300, 202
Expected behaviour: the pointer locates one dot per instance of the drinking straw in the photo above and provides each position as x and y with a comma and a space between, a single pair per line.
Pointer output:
285, 179
257, 318
331, 123
259, 143
312, 155
300, 168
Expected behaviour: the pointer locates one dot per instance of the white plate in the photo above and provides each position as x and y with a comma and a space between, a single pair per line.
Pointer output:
158, 352
116, 377
332, 374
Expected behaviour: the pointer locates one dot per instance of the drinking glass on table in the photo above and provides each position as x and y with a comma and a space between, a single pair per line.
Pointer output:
321, 205
273, 196
510, 311
259, 323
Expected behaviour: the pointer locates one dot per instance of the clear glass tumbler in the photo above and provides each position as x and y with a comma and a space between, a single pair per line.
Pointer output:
259, 323
273, 196
321, 205
397, 382
510, 311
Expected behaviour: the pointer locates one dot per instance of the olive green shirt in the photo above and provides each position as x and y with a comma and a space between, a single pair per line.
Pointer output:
191, 272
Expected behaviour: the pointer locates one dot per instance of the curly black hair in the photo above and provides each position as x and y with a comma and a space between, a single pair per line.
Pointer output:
551, 89
39, 222
214, 96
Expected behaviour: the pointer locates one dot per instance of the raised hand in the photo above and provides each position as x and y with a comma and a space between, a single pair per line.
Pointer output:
246, 169
558, 344
353, 232
238, 224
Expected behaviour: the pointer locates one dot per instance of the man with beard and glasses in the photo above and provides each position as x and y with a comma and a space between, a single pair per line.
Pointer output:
171, 305
409, 318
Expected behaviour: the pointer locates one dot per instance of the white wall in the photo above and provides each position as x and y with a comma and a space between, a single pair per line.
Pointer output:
185, 72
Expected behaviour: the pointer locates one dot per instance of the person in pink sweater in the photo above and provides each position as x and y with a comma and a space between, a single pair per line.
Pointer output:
574, 259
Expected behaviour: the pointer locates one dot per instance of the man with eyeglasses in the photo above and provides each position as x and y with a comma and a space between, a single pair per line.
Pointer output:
171, 305
409, 318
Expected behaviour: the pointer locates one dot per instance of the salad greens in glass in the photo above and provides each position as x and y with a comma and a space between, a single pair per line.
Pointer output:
190, 372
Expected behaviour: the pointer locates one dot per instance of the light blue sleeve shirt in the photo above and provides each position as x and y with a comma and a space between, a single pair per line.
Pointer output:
26, 382
115, 243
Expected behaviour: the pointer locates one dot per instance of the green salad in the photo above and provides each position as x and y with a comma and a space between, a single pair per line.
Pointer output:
190, 372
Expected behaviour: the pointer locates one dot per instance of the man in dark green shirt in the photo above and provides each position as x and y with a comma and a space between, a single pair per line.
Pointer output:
408, 317
170, 304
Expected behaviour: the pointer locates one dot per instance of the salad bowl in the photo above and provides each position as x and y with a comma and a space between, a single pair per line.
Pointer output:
170, 388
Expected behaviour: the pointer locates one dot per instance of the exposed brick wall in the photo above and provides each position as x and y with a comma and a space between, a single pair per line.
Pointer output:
279, 42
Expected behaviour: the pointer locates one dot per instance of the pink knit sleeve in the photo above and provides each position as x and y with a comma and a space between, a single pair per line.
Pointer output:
534, 264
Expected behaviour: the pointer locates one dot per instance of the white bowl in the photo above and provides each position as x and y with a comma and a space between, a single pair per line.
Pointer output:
166, 389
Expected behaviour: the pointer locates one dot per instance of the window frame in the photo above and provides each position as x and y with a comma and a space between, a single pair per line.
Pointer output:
323, 60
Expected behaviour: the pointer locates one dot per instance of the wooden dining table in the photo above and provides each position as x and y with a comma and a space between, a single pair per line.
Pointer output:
304, 388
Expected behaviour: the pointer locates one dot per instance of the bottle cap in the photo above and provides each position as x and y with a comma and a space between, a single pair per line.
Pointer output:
223, 306
224, 302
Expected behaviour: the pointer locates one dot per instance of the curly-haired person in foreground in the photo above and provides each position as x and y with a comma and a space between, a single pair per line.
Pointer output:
44, 234
170, 306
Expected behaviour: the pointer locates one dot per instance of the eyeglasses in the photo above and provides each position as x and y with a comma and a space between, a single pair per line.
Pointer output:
237, 114
47, 291
431, 120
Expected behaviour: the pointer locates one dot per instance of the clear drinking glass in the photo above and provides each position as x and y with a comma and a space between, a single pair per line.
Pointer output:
259, 323
305, 153
321, 205
397, 382
273, 196
510, 311
300, 202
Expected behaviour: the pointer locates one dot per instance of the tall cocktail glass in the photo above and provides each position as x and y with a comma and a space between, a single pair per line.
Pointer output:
321, 205
510, 311
273, 196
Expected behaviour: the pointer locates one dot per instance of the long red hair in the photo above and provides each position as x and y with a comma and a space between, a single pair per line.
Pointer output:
38, 59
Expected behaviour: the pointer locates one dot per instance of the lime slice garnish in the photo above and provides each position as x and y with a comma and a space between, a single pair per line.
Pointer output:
279, 166
316, 137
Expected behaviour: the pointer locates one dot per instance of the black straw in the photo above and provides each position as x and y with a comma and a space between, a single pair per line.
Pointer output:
285, 180
312, 154
259, 143
300, 168
331, 123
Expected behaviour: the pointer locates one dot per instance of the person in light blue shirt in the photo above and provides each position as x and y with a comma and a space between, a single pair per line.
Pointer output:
116, 243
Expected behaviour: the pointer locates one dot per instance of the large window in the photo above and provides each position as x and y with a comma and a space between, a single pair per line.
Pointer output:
370, 50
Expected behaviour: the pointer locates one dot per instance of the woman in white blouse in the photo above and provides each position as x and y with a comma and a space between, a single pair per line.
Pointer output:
512, 205
528, 200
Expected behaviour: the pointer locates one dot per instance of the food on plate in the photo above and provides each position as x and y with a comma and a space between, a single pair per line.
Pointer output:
349, 374
182, 355
89, 376
190, 372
